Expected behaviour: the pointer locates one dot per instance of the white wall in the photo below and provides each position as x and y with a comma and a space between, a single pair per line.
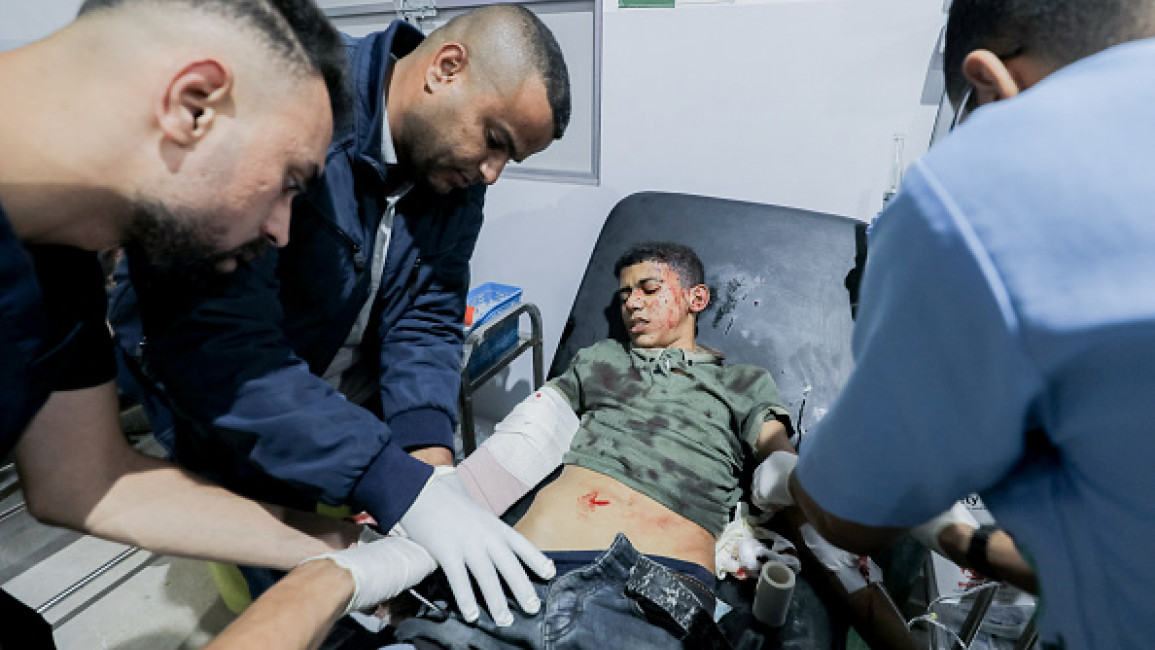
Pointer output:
792, 103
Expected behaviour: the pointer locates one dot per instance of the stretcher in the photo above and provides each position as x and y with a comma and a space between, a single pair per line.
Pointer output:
784, 287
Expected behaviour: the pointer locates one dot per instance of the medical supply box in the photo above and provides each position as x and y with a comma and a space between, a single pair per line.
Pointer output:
486, 303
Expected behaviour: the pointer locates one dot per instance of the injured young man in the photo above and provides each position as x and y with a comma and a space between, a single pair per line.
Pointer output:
655, 436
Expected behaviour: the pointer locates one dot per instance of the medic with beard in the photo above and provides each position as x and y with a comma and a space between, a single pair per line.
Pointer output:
328, 371
184, 130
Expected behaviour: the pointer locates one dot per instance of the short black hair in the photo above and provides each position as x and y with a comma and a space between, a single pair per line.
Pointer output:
1057, 32
533, 40
550, 64
296, 30
681, 259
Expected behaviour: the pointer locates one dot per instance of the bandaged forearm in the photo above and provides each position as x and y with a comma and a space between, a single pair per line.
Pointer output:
852, 570
524, 449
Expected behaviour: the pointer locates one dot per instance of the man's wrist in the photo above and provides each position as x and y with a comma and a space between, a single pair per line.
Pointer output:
390, 485
435, 455
977, 551
955, 539
327, 575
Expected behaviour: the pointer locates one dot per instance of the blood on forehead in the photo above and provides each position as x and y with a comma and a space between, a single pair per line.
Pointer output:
639, 274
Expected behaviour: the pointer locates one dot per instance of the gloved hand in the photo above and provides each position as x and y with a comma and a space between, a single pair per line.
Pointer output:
771, 480
928, 532
381, 569
466, 539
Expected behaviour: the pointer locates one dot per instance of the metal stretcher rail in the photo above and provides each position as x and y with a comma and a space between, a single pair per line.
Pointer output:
12, 487
470, 384
80, 584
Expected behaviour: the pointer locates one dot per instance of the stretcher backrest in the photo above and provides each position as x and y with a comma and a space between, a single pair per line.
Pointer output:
783, 284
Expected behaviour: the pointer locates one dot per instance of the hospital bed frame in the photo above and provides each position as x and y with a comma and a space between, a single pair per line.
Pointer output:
470, 383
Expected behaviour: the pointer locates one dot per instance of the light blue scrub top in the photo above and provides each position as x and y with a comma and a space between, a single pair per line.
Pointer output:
1005, 345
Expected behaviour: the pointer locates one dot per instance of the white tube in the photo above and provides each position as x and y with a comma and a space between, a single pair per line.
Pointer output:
772, 596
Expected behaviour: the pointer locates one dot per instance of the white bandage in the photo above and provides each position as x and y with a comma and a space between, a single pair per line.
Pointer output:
853, 571
928, 532
531, 440
524, 449
743, 548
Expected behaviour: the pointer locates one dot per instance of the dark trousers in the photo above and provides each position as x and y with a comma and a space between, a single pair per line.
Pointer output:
622, 599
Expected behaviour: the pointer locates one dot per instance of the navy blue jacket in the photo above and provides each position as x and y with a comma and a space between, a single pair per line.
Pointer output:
23, 388
239, 359
52, 331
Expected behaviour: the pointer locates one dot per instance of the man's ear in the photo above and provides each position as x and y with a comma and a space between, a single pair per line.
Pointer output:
699, 298
193, 100
995, 79
447, 65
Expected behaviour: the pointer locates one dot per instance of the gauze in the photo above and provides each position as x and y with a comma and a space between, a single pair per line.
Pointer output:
853, 571
742, 548
524, 449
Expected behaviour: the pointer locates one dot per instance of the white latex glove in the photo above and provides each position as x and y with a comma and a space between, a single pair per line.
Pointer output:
928, 532
771, 479
466, 539
381, 569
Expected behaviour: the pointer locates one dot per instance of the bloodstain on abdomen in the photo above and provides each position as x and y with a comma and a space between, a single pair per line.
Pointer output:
590, 501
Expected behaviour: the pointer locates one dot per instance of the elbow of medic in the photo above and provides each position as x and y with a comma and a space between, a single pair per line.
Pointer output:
45, 509
844, 534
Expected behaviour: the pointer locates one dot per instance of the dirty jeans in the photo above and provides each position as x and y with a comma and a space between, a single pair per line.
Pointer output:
621, 599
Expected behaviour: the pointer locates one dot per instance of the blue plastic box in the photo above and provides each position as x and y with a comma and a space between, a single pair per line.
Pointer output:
489, 301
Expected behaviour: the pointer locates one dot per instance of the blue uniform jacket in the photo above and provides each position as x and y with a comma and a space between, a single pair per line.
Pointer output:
23, 386
52, 331
238, 359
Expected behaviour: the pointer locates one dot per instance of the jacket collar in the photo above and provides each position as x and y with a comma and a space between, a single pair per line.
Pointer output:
370, 59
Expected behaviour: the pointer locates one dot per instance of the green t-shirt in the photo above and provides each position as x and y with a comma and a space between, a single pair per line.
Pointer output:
673, 425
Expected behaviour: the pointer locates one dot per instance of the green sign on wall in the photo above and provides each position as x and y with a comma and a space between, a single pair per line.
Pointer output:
632, 4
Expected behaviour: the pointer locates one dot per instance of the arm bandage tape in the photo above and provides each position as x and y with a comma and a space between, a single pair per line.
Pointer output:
853, 572
524, 449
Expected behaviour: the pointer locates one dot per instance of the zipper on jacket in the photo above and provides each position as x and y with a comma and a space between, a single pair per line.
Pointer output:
412, 282
355, 248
